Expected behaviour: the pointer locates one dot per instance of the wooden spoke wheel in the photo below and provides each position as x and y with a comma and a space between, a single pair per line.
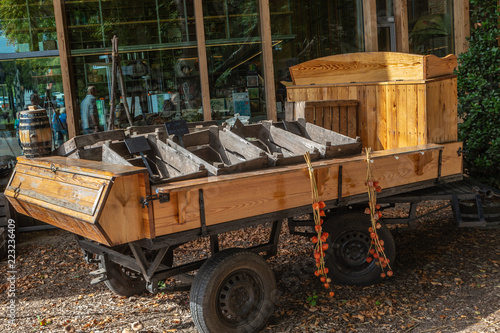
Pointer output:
349, 243
233, 292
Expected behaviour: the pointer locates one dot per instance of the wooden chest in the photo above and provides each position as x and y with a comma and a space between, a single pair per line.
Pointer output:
404, 99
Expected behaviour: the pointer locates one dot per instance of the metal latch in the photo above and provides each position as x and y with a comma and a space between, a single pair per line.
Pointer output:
162, 197
461, 151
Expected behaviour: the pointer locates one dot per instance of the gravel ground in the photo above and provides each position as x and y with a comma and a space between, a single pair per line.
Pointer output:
446, 280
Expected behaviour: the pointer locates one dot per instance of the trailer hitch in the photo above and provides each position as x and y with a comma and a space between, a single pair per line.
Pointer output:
162, 197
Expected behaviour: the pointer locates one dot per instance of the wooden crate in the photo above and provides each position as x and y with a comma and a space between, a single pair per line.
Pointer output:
416, 104
93, 199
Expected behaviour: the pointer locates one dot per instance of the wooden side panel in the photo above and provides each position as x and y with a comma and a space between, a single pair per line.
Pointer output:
57, 217
442, 111
371, 117
411, 115
288, 187
122, 216
392, 117
435, 67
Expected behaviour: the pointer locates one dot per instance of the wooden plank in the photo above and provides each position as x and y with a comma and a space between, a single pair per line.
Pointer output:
358, 68
401, 131
110, 156
327, 116
370, 120
81, 167
90, 139
361, 114
421, 114
267, 57
65, 149
336, 119
122, 217
180, 162
401, 20
461, 25
411, 115
343, 120
370, 25
392, 117
432, 111
351, 121
318, 116
70, 95
288, 187
435, 67
309, 115
329, 103
202, 58
381, 117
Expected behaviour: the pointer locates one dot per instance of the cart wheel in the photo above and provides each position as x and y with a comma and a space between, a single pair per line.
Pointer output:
349, 243
233, 291
121, 280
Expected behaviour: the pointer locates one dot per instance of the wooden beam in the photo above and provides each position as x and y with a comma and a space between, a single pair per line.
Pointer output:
461, 24
72, 109
401, 18
202, 58
267, 55
370, 25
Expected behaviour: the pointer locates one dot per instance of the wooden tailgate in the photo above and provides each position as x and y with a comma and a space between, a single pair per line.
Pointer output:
92, 199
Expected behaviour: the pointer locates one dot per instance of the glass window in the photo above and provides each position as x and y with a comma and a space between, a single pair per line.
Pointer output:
430, 26
19, 79
386, 28
158, 57
27, 26
234, 56
305, 30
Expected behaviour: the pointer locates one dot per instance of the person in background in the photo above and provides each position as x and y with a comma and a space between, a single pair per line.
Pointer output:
56, 129
64, 124
35, 100
88, 109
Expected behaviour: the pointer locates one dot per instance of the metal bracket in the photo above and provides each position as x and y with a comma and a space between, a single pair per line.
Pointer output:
461, 151
162, 197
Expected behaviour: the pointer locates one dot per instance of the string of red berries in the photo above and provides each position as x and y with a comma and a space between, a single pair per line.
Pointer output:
377, 250
320, 239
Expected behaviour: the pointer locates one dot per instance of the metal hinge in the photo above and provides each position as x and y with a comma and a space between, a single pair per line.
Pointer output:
162, 197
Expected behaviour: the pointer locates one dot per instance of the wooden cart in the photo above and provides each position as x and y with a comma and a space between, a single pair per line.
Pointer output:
130, 223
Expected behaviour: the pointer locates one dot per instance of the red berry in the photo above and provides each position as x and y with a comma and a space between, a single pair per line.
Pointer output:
378, 226
322, 213
317, 228
378, 189
314, 239
325, 234
327, 285
370, 229
377, 206
326, 270
369, 259
317, 273
332, 293
324, 246
317, 255
321, 204
389, 273
379, 213
323, 279
381, 242
382, 275
372, 251
315, 206
375, 255
375, 183
372, 235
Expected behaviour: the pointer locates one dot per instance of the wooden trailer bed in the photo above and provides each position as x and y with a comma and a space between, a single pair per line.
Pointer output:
115, 204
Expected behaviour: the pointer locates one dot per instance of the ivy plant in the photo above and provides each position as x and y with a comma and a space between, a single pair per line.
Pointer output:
479, 93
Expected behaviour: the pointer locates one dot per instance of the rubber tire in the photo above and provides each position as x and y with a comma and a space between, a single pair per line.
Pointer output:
350, 232
119, 282
219, 277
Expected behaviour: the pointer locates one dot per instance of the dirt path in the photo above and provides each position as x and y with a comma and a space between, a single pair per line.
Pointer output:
446, 280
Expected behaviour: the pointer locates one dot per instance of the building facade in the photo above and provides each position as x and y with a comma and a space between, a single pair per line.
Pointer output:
198, 59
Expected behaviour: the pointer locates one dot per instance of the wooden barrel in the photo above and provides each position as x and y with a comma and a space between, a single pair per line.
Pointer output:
34, 133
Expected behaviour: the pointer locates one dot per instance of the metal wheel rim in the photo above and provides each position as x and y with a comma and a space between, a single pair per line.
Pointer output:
239, 298
350, 250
